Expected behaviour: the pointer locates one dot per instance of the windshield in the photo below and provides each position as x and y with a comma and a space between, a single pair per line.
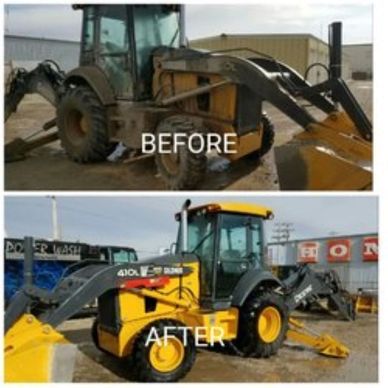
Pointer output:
120, 255
155, 26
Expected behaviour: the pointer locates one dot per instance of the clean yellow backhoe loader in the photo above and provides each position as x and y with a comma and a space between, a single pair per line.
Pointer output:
215, 289
136, 77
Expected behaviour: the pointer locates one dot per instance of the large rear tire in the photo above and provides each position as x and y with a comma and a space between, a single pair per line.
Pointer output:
183, 170
153, 362
263, 325
82, 125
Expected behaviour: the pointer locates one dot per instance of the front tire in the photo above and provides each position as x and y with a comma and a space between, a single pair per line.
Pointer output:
268, 138
263, 325
163, 363
82, 125
183, 170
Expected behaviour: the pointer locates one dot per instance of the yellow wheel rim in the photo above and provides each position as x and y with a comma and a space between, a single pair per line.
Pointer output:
269, 324
166, 356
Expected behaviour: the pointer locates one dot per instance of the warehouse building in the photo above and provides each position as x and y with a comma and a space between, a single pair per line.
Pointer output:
360, 57
24, 51
297, 50
354, 257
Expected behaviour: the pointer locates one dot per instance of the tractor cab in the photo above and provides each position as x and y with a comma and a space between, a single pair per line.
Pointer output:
120, 40
228, 240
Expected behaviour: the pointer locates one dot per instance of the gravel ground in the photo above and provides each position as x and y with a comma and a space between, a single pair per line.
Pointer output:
292, 364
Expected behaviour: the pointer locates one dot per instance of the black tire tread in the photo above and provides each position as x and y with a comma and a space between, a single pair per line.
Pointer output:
248, 342
268, 139
96, 146
142, 371
193, 169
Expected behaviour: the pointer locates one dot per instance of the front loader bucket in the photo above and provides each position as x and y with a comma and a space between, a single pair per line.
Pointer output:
325, 157
35, 352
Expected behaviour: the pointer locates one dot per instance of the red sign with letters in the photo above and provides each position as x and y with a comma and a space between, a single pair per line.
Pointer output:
370, 249
308, 252
338, 251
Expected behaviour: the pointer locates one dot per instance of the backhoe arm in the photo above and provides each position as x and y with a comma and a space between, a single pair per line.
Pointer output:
306, 286
46, 79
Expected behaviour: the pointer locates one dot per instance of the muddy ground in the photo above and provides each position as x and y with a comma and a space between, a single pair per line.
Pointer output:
48, 168
292, 364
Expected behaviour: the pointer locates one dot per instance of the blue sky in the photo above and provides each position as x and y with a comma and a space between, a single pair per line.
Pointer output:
147, 223
60, 21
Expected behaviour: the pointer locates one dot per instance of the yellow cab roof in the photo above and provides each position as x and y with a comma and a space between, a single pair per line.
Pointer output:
237, 207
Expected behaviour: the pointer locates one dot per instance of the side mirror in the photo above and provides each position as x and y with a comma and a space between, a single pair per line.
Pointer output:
173, 248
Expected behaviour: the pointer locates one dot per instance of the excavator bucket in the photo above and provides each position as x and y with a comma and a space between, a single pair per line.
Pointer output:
35, 352
323, 343
327, 156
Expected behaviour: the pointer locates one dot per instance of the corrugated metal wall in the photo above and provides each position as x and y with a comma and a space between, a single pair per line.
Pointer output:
361, 58
319, 52
297, 51
289, 49
354, 274
26, 52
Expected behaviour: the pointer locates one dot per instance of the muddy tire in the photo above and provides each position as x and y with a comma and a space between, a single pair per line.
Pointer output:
263, 325
154, 363
82, 126
268, 138
183, 170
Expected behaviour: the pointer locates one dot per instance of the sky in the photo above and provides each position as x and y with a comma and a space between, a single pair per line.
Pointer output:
147, 223
61, 22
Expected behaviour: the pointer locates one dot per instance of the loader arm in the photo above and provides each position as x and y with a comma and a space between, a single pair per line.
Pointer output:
79, 288
330, 154
306, 286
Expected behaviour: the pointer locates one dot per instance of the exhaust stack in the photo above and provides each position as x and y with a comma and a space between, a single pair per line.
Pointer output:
183, 236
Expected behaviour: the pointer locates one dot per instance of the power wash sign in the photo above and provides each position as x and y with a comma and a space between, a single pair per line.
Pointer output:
339, 250
370, 249
44, 250
308, 252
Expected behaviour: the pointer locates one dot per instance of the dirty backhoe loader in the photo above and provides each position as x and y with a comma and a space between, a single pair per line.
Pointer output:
217, 280
136, 76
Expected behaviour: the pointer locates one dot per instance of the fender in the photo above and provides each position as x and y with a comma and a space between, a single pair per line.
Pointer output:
96, 79
249, 282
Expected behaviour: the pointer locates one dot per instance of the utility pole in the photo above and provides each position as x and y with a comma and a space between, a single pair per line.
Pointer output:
56, 231
6, 19
281, 233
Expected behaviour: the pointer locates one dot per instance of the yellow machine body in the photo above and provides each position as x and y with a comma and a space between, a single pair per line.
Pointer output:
221, 112
170, 305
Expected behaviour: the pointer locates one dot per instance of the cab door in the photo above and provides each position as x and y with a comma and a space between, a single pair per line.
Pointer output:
112, 45
239, 250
